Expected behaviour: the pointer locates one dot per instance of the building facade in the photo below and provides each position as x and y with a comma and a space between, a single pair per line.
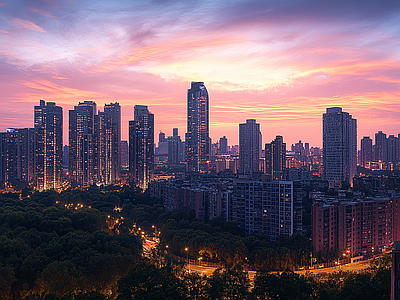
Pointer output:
249, 147
366, 151
263, 207
48, 124
197, 138
275, 158
81, 158
17, 154
141, 146
339, 147
360, 226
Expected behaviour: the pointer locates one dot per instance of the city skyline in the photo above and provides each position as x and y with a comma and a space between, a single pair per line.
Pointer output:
281, 63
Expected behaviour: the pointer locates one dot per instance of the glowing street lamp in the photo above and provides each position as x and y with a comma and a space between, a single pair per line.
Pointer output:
187, 256
201, 265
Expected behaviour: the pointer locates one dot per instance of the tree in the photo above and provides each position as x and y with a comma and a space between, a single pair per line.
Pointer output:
231, 283
145, 281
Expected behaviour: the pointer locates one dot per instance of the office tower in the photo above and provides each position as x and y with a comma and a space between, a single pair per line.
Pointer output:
141, 146
175, 132
48, 121
81, 162
275, 158
114, 109
249, 146
223, 145
392, 148
307, 149
197, 136
380, 146
124, 155
17, 154
366, 150
339, 147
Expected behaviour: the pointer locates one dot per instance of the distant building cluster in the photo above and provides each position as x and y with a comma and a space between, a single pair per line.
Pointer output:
262, 187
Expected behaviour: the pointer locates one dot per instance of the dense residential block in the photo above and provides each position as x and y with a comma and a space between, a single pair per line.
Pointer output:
263, 207
359, 226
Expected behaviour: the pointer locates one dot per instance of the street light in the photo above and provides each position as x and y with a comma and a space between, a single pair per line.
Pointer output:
201, 266
187, 256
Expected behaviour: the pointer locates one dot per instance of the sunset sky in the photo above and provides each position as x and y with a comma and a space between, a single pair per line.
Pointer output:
279, 62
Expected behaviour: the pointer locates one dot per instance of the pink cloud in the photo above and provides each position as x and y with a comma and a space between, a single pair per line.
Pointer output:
43, 13
27, 24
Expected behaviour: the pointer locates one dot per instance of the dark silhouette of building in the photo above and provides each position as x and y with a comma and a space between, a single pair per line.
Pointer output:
197, 137
381, 146
223, 145
275, 158
366, 150
141, 146
249, 146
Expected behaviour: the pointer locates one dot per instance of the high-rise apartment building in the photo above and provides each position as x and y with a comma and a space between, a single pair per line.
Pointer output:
124, 155
339, 147
17, 154
223, 145
114, 109
366, 150
197, 137
275, 158
392, 148
249, 146
141, 146
81, 163
105, 168
94, 144
48, 121
380, 146
263, 207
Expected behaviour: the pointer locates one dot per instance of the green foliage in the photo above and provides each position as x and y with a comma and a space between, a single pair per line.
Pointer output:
146, 281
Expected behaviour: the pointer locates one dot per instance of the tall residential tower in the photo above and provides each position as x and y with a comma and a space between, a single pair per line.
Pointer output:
48, 120
141, 146
249, 146
197, 136
340, 147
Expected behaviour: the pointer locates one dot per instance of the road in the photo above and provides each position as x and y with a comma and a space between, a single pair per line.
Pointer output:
205, 270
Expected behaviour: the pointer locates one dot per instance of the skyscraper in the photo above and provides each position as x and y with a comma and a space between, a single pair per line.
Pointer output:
81, 163
339, 147
392, 148
381, 146
197, 136
223, 145
366, 150
249, 146
275, 158
17, 154
141, 146
114, 109
48, 121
